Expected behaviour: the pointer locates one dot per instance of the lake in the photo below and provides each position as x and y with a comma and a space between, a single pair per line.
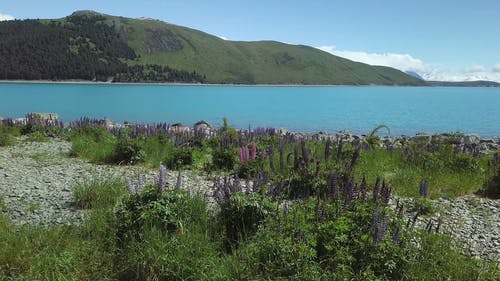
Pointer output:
406, 110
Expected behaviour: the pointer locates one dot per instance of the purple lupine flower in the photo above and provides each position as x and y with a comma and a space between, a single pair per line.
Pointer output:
332, 186
130, 186
162, 178
396, 236
328, 148
477, 152
390, 148
140, 183
376, 189
381, 229
253, 151
339, 151
348, 191
354, 159
363, 189
424, 188
385, 193
179, 180
305, 153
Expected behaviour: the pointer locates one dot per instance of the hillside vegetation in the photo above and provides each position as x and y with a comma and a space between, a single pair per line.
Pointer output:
92, 46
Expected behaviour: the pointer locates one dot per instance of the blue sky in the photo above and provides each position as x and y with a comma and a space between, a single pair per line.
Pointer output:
444, 39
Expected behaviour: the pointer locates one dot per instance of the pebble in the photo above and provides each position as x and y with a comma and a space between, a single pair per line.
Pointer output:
473, 221
41, 176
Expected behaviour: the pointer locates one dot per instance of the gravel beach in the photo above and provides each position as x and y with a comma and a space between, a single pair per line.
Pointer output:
36, 181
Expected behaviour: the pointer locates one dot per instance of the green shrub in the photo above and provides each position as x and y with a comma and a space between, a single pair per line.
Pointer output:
7, 139
492, 186
223, 159
275, 256
170, 211
93, 143
248, 169
37, 137
190, 256
242, 214
422, 206
98, 193
180, 157
437, 259
8, 135
127, 151
464, 163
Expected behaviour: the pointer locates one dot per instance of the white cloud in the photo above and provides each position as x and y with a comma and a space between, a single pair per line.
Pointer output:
476, 69
6, 17
403, 62
406, 62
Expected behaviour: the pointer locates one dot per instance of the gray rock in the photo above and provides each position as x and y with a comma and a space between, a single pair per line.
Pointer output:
422, 137
472, 139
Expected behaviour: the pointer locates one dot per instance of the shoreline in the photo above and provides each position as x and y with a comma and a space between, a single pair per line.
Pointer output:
87, 82
321, 134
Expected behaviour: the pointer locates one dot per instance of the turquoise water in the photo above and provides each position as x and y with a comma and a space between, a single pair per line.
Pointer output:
406, 110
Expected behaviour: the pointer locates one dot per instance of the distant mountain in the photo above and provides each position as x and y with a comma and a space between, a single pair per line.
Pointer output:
414, 74
463, 84
92, 46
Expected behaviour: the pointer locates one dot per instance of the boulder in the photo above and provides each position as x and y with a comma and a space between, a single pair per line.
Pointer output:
472, 139
422, 137
203, 127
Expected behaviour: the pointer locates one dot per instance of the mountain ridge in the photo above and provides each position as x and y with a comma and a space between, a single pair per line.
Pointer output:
150, 50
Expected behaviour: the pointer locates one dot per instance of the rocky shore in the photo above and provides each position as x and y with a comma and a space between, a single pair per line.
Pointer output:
472, 220
36, 181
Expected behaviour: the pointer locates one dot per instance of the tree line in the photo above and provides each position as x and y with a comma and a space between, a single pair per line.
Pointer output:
80, 47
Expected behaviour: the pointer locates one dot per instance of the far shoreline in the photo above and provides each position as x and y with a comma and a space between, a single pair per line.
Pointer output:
431, 84
87, 82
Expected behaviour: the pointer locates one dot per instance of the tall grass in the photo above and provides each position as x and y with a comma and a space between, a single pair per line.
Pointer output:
98, 193
194, 249
444, 181
8, 135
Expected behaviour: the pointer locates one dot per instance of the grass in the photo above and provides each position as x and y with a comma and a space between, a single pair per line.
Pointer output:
405, 178
175, 235
8, 135
91, 251
262, 62
449, 175
98, 193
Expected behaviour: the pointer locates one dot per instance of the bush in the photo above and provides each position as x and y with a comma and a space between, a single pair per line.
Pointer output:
248, 169
8, 135
492, 186
98, 193
273, 256
422, 206
190, 256
464, 163
127, 151
223, 159
179, 158
242, 214
93, 143
171, 211
37, 137
7, 139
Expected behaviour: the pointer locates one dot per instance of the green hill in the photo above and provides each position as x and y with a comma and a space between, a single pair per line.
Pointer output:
140, 49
